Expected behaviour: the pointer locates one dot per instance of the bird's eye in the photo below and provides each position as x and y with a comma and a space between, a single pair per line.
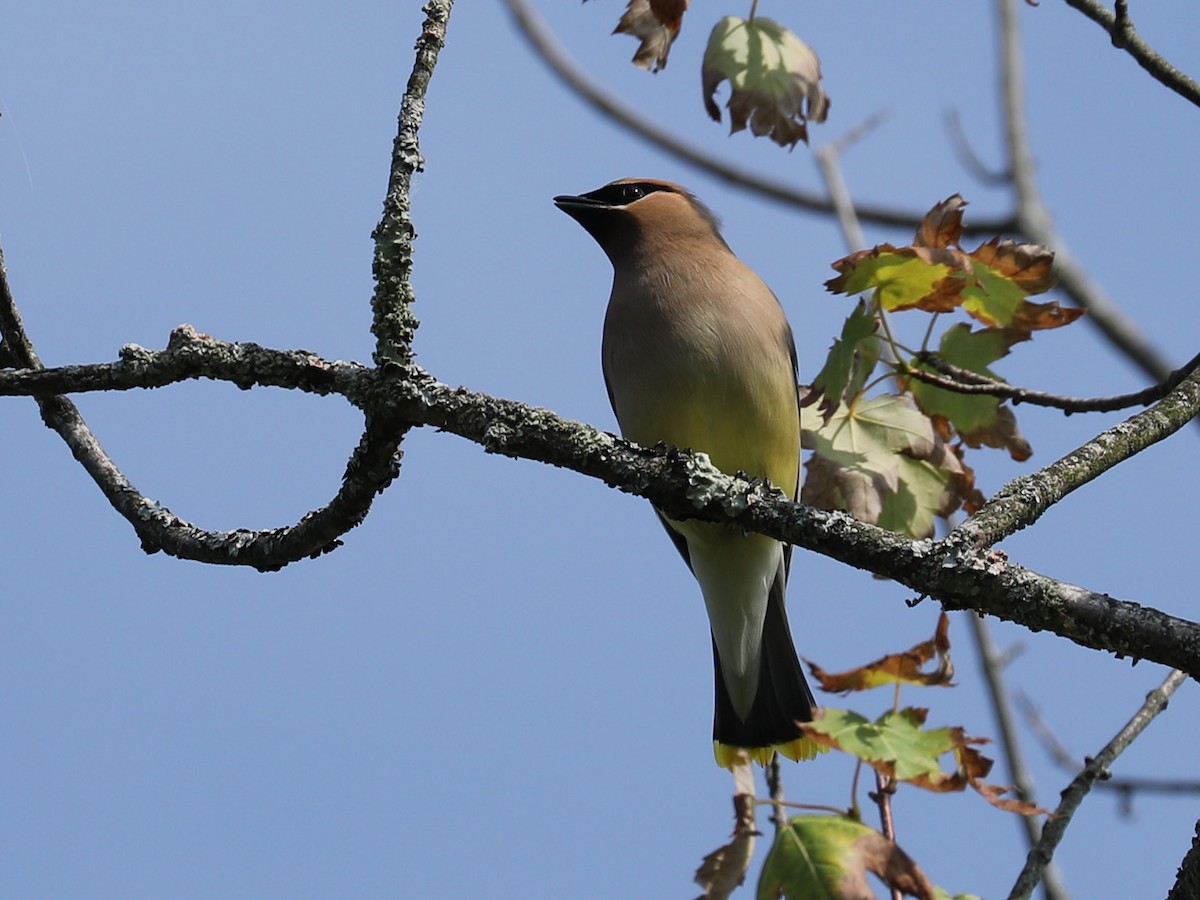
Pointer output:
631, 192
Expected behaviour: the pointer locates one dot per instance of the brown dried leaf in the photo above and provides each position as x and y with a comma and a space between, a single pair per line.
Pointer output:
723, 870
1003, 434
656, 24
897, 667
1038, 316
942, 225
1029, 266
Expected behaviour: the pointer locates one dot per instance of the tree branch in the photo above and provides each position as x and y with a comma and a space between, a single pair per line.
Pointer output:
1094, 770
1033, 220
957, 570
992, 664
393, 322
1022, 501
1126, 787
1187, 881
1121, 32
374, 462
964, 381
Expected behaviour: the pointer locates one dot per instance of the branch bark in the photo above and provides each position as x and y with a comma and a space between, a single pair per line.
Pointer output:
959, 570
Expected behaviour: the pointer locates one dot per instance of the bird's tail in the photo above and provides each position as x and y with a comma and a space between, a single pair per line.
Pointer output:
783, 698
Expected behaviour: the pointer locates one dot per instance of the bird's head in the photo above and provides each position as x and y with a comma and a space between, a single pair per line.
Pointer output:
640, 212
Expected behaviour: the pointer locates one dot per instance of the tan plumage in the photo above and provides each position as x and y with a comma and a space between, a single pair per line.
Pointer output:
698, 353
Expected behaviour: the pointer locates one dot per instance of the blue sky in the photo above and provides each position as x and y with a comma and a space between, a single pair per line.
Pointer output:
501, 684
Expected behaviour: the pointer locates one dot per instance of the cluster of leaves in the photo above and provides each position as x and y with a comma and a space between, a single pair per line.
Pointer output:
774, 77
830, 855
896, 459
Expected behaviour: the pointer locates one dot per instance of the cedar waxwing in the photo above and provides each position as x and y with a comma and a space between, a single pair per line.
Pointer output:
697, 353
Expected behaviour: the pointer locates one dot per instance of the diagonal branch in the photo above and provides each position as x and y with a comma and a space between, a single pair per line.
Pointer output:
958, 571
1120, 30
1023, 500
991, 661
1078, 789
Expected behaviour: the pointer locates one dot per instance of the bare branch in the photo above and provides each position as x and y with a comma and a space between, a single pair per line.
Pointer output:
1124, 37
393, 322
1126, 787
991, 661
1022, 501
1034, 221
683, 485
828, 158
374, 462
964, 381
967, 157
1094, 770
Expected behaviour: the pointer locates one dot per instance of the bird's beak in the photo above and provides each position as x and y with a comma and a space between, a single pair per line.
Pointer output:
567, 202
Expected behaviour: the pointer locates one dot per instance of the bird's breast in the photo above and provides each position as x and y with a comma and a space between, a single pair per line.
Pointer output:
705, 365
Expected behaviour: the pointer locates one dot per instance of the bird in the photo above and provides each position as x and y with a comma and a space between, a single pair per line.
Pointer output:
698, 354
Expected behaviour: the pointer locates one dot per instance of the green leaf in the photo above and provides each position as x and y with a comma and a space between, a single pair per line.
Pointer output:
978, 419
829, 857
903, 278
775, 79
850, 362
880, 460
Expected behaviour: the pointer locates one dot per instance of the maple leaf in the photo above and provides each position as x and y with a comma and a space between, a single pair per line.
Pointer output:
830, 856
898, 746
902, 277
656, 24
775, 79
849, 364
881, 460
897, 668
977, 418
991, 283
942, 225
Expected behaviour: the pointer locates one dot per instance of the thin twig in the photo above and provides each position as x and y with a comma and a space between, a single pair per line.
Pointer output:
967, 157
1022, 501
828, 158
991, 661
1127, 786
774, 776
964, 381
882, 795
1121, 33
1095, 769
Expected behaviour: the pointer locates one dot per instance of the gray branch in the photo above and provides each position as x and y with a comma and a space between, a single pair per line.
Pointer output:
1095, 770
1123, 36
960, 571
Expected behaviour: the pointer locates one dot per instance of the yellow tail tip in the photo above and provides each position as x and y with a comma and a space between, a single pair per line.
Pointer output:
796, 750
